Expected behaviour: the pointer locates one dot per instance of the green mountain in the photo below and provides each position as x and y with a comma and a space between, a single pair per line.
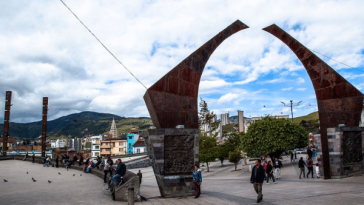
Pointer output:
75, 125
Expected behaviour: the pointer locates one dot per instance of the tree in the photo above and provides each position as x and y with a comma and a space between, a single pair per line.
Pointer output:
235, 157
206, 118
222, 151
207, 150
271, 136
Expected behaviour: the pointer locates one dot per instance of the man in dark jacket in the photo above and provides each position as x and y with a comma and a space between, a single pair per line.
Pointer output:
277, 165
257, 179
301, 165
109, 159
119, 171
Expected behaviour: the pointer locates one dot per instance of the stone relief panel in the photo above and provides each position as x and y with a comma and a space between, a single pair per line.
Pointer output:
178, 154
352, 147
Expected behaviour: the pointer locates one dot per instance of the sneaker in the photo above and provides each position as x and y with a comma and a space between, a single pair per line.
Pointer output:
267, 182
275, 182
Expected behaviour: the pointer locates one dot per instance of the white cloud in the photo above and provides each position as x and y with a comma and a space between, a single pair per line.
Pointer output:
286, 89
301, 89
45, 51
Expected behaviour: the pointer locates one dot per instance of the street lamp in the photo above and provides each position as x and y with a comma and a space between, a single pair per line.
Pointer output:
291, 105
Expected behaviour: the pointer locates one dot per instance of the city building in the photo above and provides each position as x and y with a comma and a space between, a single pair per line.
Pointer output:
11, 143
241, 121
96, 144
224, 119
276, 116
132, 138
139, 147
113, 147
362, 118
113, 131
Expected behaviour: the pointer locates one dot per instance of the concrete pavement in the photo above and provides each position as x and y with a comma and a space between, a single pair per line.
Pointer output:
222, 185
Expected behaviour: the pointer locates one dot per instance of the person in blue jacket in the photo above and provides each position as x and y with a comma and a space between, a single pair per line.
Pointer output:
197, 180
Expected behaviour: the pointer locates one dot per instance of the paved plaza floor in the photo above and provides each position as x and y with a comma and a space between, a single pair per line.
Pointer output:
222, 185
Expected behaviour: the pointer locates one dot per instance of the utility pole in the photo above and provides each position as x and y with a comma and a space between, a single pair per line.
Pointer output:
291, 105
44, 125
6, 122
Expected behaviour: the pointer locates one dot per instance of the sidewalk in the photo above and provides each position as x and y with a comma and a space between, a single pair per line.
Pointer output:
222, 185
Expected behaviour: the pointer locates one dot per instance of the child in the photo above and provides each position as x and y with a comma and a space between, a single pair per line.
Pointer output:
317, 171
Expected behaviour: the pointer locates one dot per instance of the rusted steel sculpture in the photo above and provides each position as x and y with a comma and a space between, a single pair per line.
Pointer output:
6, 121
172, 100
44, 125
338, 101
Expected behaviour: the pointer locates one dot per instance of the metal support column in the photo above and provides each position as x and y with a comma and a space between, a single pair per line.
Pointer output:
6, 122
44, 125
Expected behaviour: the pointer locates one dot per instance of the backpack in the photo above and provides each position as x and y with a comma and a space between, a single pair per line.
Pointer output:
308, 162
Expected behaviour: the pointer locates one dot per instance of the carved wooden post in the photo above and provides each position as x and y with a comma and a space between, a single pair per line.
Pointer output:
44, 125
6, 122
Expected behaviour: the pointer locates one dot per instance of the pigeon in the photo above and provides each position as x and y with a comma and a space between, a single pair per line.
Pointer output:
74, 174
80, 174
59, 173
49, 181
34, 180
5, 180
27, 173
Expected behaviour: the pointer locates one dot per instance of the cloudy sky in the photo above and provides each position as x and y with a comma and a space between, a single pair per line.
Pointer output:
46, 52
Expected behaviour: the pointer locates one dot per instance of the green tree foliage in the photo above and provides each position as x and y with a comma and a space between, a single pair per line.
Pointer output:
271, 136
235, 157
206, 117
207, 146
310, 125
235, 140
222, 151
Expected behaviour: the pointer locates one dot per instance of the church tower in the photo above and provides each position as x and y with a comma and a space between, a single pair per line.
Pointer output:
113, 131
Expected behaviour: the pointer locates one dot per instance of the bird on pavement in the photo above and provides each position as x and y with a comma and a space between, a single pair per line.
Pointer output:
80, 174
5, 180
27, 173
34, 180
74, 174
49, 181
59, 173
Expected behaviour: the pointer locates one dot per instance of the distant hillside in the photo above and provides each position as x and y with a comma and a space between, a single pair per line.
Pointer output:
311, 116
75, 124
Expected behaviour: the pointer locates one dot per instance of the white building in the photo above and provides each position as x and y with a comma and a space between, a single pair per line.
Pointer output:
241, 121
139, 147
96, 144
224, 119
58, 144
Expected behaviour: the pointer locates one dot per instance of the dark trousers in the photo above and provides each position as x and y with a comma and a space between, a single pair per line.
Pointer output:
270, 176
310, 170
80, 163
302, 170
105, 174
57, 163
197, 185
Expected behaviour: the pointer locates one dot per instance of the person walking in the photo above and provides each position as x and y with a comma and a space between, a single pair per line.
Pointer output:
197, 180
257, 179
33, 157
269, 172
310, 166
81, 160
301, 165
140, 177
277, 166
292, 157
57, 161
107, 170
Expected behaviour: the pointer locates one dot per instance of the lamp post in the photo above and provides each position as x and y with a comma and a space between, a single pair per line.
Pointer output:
291, 105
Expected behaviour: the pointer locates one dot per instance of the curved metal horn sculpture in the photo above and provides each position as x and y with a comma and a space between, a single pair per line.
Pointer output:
338, 101
172, 100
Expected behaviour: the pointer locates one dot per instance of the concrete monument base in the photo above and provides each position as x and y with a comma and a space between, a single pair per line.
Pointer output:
346, 146
173, 154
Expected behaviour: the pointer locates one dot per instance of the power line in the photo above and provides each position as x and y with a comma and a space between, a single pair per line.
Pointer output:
104, 45
337, 61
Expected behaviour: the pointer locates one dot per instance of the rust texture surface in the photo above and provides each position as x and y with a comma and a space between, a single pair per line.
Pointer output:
178, 154
6, 121
338, 101
172, 100
44, 125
